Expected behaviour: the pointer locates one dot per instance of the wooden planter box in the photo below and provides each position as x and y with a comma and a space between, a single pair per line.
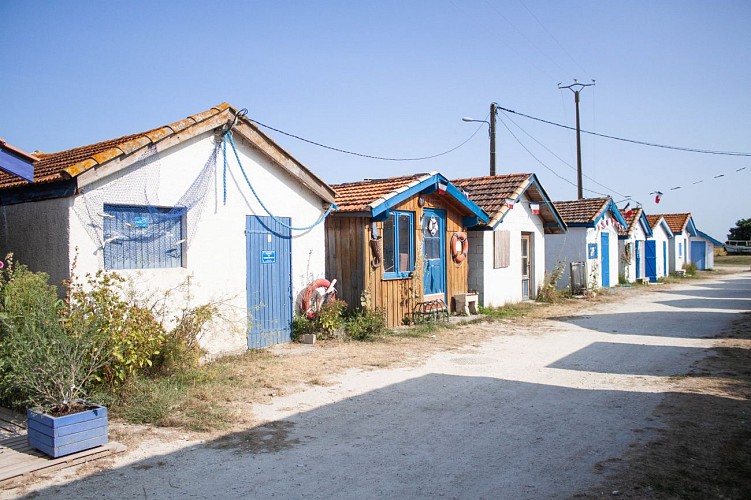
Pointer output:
58, 436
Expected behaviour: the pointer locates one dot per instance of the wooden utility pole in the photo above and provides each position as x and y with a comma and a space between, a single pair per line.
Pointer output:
493, 111
580, 190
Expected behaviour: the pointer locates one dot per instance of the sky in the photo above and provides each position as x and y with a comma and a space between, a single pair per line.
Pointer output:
394, 78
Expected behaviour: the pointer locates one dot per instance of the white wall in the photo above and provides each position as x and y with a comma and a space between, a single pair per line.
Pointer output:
678, 259
562, 249
627, 267
215, 259
504, 285
659, 236
37, 234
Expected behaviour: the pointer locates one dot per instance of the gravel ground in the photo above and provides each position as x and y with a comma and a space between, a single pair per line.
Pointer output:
535, 415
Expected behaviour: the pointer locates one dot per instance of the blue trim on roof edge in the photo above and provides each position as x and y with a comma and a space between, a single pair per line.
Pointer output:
704, 235
430, 185
610, 207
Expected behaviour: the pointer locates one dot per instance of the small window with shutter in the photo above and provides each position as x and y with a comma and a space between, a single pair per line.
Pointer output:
501, 249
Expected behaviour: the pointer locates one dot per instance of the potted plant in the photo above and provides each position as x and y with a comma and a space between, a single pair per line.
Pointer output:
49, 360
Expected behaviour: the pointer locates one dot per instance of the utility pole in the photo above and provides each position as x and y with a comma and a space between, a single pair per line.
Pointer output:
579, 87
493, 111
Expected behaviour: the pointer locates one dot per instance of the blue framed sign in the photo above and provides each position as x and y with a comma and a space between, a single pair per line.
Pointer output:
591, 250
268, 256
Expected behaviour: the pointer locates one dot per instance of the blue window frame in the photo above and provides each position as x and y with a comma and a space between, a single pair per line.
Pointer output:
680, 249
398, 245
138, 237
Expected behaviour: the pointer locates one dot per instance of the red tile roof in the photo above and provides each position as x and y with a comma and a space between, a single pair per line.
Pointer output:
676, 222
581, 211
490, 192
359, 196
635, 215
66, 164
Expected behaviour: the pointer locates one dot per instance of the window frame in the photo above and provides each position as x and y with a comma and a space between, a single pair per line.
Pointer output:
399, 273
113, 261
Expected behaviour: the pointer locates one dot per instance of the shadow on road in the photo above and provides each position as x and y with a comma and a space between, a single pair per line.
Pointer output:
669, 324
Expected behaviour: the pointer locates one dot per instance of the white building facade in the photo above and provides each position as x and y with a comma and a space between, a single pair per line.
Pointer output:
170, 216
507, 255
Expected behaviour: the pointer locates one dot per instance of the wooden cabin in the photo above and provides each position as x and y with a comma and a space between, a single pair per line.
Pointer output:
389, 244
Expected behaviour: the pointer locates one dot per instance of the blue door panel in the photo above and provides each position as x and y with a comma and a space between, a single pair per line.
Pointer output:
434, 251
650, 260
605, 258
665, 258
699, 255
269, 281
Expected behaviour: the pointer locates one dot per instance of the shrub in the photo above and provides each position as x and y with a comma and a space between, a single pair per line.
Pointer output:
549, 292
689, 267
301, 325
364, 324
131, 332
181, 347
45, 362
329, 318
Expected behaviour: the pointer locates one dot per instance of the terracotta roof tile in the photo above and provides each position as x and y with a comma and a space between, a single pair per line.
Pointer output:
635, 215
357, 196
653, 220
52, 167
581, 211
490, 192
676, 222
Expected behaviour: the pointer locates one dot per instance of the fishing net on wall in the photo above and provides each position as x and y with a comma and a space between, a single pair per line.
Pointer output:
129, 224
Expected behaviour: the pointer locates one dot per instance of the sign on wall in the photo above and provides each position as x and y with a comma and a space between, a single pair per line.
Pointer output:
268, 256
591, 250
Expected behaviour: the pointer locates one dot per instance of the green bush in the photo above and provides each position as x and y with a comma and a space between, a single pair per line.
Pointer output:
44, 361
181, 349
132, 333
364, 324
301, 326
690, 268
549, 292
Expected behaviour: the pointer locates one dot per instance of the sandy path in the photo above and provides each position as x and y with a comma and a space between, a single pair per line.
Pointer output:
529, 415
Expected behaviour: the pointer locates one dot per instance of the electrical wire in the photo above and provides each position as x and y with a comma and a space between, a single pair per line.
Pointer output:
633, 141
543, 163
363, 155
562, 160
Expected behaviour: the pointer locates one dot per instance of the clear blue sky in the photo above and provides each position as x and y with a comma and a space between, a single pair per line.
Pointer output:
394, 78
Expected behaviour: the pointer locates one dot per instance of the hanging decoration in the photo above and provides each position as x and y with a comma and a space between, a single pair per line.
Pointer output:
510, 203
658, 196
535, 207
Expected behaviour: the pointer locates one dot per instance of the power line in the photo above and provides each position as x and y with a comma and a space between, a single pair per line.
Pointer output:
562, 160
633, 141
363, 155
543, 163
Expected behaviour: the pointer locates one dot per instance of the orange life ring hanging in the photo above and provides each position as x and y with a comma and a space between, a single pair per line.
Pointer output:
459, 247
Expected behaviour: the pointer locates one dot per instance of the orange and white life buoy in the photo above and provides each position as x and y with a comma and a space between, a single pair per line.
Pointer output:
318, 289
459, 247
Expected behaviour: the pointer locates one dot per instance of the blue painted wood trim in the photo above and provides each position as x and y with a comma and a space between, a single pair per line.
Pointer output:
16, 166
709, 238
610, 207
691, 228
37, 192
645, 224
470, 221
428, 186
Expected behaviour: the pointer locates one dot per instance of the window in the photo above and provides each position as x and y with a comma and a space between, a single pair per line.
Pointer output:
138, 237
680, 249
398, 245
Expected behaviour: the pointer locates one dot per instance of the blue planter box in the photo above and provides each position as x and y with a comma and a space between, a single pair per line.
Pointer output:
58, 436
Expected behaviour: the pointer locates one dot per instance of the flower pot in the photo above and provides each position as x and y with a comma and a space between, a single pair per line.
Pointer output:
58, 436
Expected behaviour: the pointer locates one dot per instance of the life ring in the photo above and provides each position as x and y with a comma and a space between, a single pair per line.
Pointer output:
310, 307
459, 247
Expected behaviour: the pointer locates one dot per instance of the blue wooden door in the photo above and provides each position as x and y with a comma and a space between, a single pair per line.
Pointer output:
637, 248
434, 251
269, 281
699, 254
605, 258
650, 260
665, 258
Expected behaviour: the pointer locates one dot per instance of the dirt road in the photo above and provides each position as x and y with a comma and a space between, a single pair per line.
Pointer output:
537, 414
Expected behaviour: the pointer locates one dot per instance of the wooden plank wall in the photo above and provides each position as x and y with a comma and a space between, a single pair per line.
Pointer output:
348, 258
345, 242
